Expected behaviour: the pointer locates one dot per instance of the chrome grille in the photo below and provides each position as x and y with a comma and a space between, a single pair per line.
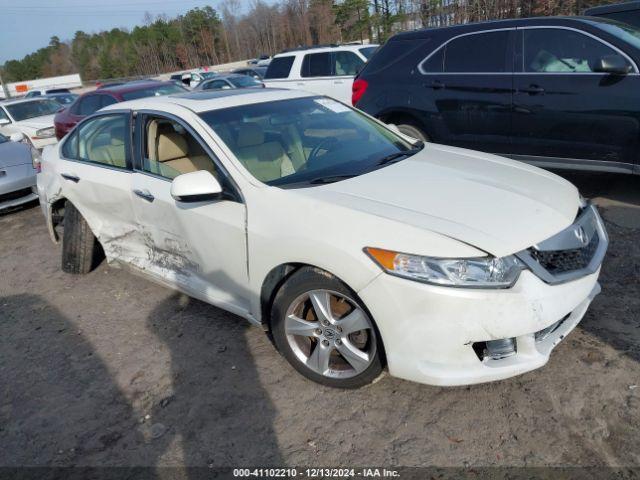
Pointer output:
574, 252
561, 261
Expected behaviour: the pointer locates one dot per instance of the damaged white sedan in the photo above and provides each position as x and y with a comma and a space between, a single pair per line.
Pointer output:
353, 246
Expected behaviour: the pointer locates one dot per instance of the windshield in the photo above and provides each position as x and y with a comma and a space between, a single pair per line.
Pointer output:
244, 81
155, 91
36, 108
625, 32
304, 141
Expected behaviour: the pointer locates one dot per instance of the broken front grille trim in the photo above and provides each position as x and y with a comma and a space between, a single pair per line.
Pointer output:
561, 242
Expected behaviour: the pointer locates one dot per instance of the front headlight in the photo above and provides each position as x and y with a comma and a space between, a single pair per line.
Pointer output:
46, 132
36, 159
483, 272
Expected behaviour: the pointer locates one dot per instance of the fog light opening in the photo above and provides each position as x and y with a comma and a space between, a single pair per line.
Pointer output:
495, 349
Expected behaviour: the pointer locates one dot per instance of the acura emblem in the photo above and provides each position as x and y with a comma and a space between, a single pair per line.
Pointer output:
581, 235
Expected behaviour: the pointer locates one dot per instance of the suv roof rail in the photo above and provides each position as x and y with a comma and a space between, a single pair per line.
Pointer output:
310, 47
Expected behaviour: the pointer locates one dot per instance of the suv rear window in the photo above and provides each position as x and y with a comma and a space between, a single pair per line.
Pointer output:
279, 67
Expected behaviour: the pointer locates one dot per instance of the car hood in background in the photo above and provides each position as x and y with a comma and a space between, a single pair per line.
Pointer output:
497, 205
45, 121
14, 153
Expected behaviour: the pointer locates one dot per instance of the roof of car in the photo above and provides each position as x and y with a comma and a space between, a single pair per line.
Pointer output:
131, 86
496, 24
615, 8
323, 48
203, 101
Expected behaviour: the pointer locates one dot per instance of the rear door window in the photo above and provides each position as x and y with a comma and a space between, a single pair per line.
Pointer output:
104, 140
280, 67
316, 65
477, 53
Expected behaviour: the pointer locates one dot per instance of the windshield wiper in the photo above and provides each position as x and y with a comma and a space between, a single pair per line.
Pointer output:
396, 157
330, 179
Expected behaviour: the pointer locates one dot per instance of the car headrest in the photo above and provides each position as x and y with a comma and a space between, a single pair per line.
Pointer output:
249, 134
171, 146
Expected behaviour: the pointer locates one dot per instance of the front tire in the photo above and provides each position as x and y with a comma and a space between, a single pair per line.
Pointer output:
80, 248
325, 333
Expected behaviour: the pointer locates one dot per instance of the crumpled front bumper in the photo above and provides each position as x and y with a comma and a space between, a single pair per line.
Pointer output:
429, 331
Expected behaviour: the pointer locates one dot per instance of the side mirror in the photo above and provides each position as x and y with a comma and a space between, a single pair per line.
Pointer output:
613, 64
195, 187
4, 121
16, 137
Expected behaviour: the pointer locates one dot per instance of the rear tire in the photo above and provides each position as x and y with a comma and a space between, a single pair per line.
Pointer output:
346, 337
80, 248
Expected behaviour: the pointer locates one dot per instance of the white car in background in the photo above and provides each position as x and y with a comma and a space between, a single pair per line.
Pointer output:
351, 244
324, 70
32, 117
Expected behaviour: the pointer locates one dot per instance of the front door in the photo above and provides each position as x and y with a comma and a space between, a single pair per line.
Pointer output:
467, 91
564, 112
199, 247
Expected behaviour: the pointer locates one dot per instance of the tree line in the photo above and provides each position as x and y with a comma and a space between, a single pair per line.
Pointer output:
210, 36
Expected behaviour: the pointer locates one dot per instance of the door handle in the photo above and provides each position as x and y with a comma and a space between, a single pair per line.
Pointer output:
435, 84
532, 90
338, 82
71, 177
145, 195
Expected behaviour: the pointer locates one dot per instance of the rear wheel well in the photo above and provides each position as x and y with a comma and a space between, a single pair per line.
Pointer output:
57, 216
404, 118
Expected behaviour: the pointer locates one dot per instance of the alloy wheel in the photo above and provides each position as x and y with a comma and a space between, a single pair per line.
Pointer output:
330, 334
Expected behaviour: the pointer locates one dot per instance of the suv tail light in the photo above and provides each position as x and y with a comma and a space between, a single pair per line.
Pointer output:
357, 90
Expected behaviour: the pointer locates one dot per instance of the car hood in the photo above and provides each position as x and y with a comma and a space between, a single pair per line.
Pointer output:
37, 122
497, 205
14, 153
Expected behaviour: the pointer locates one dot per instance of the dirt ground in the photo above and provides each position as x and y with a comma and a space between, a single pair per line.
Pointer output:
111, 369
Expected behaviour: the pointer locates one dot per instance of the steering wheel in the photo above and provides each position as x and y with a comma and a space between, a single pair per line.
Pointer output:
323, 145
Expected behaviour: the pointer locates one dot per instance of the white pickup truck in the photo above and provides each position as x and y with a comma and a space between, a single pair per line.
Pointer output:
325, 70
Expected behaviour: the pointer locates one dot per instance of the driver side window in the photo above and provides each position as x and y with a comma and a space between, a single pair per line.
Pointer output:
554, 50
169, 149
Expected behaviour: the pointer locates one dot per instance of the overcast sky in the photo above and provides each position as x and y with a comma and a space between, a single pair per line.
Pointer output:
26, 25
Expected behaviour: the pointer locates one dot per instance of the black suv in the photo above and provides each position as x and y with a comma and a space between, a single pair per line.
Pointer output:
556, 92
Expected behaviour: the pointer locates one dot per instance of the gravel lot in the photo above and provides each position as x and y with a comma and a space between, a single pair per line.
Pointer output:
110, 369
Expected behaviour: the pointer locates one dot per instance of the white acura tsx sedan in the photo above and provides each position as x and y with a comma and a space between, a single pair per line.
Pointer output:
354, 246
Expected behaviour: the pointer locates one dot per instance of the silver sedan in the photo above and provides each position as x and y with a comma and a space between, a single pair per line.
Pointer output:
18, 163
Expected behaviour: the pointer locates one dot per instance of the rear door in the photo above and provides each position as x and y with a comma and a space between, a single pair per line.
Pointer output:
330, 73
565, 113
467, 91
95, 170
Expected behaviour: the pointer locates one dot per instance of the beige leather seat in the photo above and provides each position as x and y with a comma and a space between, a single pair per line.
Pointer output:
170, 155
114, 152
265, 160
